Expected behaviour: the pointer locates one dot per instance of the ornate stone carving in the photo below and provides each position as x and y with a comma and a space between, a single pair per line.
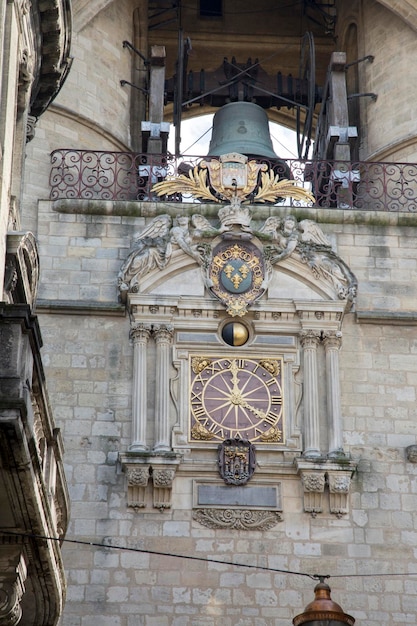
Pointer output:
163, 478
30, 128
313, 485
339, 485
22, 250
328, 477
137, 481
310, 338
313, 482
26, 67
162, 332
140, 332
139, 468
332, 339
278, 238
239, 519
12, 578
237, 461
138, 477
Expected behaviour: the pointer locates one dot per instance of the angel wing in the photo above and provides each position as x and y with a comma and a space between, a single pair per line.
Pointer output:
311, 233
159, 227
150, 249
271, 226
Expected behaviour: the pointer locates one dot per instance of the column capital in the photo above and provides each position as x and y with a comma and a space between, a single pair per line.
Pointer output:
163, 332
332, 339
310, 338
140, 331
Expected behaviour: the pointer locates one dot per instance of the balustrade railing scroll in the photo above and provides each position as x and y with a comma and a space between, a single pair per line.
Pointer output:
366, 186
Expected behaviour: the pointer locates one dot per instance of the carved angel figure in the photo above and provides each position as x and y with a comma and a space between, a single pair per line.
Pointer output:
270, 228
314, 248
288, 234
180, 235
151, 248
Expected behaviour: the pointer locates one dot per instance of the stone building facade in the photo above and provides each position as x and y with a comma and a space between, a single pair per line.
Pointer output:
136, 329
34, 510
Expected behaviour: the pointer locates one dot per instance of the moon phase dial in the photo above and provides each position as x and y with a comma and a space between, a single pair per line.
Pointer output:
236, 398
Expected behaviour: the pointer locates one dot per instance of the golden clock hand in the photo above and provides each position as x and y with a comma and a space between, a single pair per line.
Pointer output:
257, 412
235, 381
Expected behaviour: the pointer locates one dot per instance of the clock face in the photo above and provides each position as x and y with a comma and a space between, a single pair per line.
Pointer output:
236, 398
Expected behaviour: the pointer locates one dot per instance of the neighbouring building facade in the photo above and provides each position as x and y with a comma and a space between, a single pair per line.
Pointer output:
34, 500
229, 339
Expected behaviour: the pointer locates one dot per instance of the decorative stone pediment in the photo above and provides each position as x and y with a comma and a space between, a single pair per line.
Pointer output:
236, 262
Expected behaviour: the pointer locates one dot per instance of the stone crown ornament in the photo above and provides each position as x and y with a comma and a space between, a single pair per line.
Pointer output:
232, 178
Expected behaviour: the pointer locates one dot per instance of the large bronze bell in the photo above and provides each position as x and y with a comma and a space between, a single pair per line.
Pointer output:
241, 127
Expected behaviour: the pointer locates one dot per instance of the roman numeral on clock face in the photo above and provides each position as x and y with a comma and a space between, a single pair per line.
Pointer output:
199, 411
272, 418
196, 397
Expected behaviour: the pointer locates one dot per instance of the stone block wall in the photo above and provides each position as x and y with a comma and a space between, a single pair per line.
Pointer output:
88, 359
387, 130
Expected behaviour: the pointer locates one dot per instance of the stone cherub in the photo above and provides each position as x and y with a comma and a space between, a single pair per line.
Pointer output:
153, 247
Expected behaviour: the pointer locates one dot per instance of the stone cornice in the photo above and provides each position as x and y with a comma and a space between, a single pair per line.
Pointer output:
54, 17
152, 209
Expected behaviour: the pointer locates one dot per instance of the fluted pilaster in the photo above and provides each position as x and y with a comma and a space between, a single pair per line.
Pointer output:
332, 342
309, 341
140, 334
163, 337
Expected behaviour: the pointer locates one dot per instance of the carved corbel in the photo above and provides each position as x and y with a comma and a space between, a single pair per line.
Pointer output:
163, 479
313, 484
339, 485
137, 481
12, 578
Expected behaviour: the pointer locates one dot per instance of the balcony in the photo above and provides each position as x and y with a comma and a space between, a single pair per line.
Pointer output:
34, 498
122, 176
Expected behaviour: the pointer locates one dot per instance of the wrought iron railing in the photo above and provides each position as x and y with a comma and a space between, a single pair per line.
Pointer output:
369, 186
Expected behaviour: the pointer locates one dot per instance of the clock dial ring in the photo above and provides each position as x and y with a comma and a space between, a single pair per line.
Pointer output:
236, 397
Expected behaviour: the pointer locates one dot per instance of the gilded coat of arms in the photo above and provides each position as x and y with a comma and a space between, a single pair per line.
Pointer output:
237, 275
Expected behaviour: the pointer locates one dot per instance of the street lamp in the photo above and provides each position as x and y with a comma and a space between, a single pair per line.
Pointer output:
323, 611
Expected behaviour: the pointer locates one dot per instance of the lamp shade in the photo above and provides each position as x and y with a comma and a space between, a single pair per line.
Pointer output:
323, 611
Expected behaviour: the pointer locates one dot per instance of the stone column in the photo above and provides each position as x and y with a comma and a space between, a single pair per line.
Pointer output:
140, 334
332, 342
309, 341
163, 335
